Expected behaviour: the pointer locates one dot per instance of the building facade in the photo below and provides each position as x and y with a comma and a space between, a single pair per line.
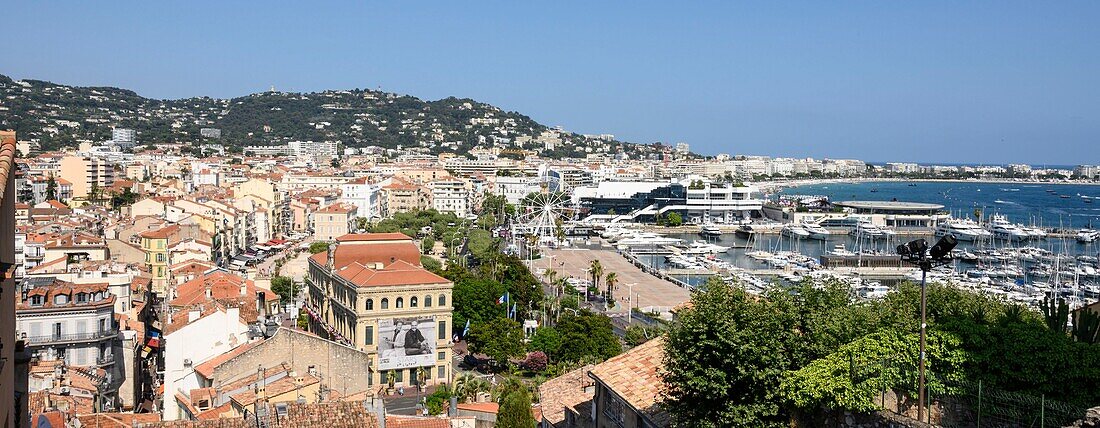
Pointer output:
370, 292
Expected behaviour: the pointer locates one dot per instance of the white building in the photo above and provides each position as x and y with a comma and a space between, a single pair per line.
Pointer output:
451, 196
124, 138
366, 196
190, 342
515, 188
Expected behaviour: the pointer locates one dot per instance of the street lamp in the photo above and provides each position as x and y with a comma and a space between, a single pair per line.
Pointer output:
629, 307
917, 252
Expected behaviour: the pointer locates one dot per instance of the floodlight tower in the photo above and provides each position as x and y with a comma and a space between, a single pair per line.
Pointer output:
918, 253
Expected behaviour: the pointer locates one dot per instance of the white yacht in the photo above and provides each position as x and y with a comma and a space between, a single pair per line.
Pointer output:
646, 238
1034, 232
1087, 235
795, 231
963, 229
1001, 228
816, 231
867, 230
701, 247
710, 229
840, 250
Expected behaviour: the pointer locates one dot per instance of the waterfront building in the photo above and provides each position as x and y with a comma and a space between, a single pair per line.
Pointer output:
370, 292
695, 198
896, 214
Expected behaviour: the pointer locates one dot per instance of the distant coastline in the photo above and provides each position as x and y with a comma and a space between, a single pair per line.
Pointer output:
778, 185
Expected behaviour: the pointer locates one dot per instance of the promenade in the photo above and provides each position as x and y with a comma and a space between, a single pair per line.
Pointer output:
649, 292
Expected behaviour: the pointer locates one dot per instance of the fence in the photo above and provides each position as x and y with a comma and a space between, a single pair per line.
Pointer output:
962, 404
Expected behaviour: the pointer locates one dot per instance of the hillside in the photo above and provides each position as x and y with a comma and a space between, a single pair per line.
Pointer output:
57, 116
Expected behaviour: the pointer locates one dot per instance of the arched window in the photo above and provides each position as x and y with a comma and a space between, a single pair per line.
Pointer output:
399, 303
442, 300
428, 301
370, 304
412, 302
385, 303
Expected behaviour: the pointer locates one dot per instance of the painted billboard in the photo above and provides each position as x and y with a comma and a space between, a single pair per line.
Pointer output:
406, 342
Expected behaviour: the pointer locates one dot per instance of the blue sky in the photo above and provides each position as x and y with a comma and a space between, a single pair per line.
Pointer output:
949, 81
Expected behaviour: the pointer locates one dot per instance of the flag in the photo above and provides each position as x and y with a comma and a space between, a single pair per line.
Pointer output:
512, 312
461, 336
503, 298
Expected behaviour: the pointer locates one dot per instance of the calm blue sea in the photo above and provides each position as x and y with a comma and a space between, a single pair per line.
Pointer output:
1029, 204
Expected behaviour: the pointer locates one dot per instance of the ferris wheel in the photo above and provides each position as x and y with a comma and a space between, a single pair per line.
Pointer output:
546, 209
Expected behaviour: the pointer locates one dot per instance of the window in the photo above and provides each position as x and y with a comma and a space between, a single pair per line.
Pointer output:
102, 324
428, 301
370, 304
57, 329
36, 300
399, 375
369, 338
442, 330
442, 356
441, 372
399, 303
442, 300
412, 302
385, 303
160, 257
61, 299
81, 297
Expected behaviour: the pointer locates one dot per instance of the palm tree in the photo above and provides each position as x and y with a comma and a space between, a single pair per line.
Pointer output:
468, 386
596, 270
611, 280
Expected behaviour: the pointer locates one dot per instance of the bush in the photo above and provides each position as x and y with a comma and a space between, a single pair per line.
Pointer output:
318, 247
535, 361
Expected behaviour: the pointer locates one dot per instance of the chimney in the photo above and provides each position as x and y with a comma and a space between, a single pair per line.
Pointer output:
261, 298
244, 289
193, 315
208, 294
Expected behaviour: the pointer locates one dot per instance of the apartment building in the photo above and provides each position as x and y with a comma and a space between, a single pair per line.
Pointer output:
370, 292
404, 196
333, 221
86, 173
366, 196
451, 196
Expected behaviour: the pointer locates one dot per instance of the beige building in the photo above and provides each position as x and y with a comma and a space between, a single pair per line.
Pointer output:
370, 292
333, 221
267, 196
86, 173
403, 196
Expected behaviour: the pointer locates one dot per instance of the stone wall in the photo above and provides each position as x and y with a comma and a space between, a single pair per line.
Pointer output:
344, 370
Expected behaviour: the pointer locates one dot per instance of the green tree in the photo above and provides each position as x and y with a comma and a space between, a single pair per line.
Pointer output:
431, 264
318, 247
285, 287
611, 281
586, 337
515, 410
427, 244
545, 339
595, 269
500, 339
724, 361
675, 219
51, 188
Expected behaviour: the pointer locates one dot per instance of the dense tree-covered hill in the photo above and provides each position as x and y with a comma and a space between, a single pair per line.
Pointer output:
55, 115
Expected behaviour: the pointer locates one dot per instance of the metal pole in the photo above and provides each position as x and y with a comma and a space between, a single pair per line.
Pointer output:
923, 323
979, 403
1043, 411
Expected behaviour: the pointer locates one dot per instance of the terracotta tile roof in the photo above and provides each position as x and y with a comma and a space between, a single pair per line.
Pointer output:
488, 407
397, 273
396, 421
7, 159
281, 386
372, 237
162, 233
222, 285
633, 376
117, 420
328, 415
567, 391
206, 369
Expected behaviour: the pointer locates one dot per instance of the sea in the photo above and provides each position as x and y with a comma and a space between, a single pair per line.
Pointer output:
1029, 204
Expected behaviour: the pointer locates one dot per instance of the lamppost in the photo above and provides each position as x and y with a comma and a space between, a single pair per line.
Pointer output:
918, 253
629, 306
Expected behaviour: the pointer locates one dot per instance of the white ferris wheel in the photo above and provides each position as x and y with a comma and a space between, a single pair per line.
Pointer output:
544, 211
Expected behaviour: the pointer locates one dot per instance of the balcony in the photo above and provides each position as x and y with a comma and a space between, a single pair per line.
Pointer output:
105, 360
55, 339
